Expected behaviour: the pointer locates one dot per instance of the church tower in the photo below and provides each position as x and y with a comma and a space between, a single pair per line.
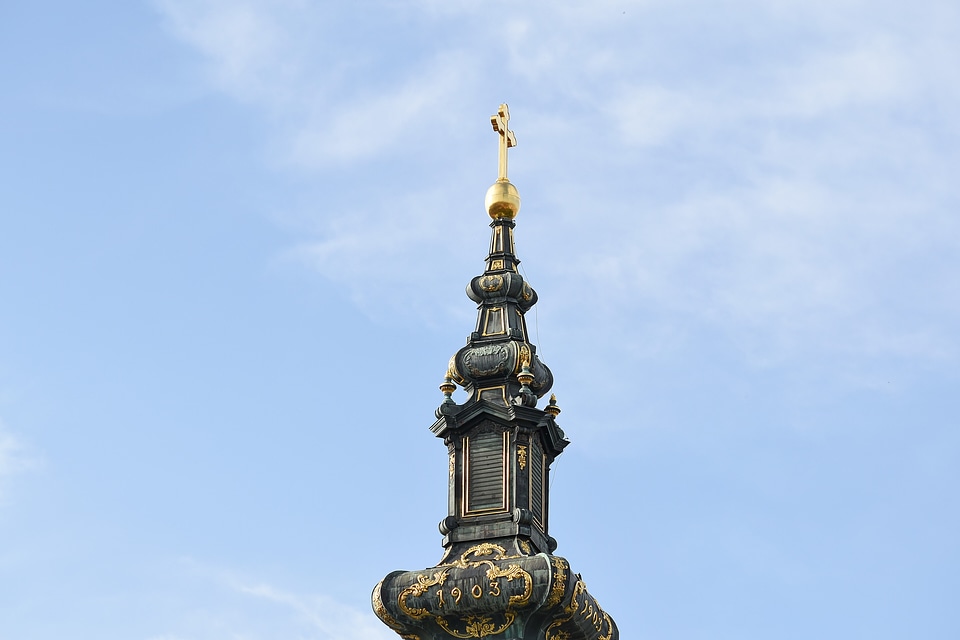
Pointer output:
498, 578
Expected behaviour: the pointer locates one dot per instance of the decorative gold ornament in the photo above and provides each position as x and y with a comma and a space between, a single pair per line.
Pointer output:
452, 372
523, 357
526, 292
480, 551
385, 616
501, 122
584, 605
491, 283
418, 589
569, 611
522, 456
503, 199
479, 626
471, 625
560, 568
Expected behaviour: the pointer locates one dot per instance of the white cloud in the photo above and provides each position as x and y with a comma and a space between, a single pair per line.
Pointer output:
242, 41
365, 126
329, 618
802, 145
15, 458
223, 604
289, 59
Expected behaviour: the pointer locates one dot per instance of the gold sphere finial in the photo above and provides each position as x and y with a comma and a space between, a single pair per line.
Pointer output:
502, 200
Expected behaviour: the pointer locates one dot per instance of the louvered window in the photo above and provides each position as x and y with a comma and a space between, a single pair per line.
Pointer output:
485, 481
536, 480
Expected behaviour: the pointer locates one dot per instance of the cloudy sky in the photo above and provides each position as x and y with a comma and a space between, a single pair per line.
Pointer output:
234, 244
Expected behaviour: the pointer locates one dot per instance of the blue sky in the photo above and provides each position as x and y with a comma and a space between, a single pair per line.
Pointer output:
235, 239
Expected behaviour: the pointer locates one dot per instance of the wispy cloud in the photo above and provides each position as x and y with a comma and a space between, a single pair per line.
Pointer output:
784, 179
326, 616
226, 604
15, 457
290, 59
363, 126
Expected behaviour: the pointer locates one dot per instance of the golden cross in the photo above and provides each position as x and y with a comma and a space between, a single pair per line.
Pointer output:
500, 121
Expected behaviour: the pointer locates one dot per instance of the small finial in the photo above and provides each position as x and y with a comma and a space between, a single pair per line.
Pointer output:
552, 408
447, 387
525, 376
526, 397
503, 199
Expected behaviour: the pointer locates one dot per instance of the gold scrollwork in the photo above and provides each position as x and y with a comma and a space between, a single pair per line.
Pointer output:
589, 610
522, 456
473, 625
381, 610
609, 623
526, 292
511, 573
385, 616
418, 589
523, 357
552, 632
560, 568
496, 264
479, 626
480, 551
491, 283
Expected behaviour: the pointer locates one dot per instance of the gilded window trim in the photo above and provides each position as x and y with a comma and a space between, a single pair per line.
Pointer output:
500, 387
486, 322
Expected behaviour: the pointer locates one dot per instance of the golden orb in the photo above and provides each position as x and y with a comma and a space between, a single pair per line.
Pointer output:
503, 200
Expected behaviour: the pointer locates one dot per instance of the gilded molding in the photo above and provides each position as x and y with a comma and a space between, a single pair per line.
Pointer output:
495, 322
588, 610
473, 625
560, 568
384, 615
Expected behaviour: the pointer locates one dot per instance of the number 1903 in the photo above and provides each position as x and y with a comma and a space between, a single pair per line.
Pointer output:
476, 591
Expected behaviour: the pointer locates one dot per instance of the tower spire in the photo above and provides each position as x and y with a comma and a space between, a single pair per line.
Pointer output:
498, 578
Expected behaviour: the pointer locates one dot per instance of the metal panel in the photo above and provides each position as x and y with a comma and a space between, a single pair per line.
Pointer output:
537, 467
